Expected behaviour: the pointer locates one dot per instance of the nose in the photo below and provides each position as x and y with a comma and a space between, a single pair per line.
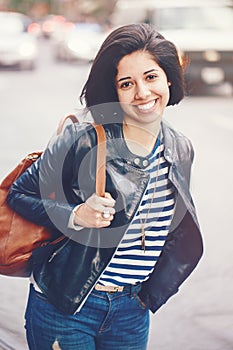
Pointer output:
142, 91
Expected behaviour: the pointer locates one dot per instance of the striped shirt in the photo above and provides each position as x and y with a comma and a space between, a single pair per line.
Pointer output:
130, 263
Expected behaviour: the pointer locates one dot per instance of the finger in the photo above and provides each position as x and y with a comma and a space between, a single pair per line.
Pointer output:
107, 208
107, 222
107, 200
93, 202
108, 195
101, 204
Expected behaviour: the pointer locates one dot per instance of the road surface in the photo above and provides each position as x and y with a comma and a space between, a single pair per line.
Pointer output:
200, 316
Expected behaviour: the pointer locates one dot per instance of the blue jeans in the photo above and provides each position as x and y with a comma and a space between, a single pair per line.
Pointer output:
107, 321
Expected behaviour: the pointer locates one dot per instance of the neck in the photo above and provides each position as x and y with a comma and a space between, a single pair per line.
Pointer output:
141, 140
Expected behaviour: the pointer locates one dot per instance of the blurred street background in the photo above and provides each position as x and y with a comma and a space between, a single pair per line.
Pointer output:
45, 57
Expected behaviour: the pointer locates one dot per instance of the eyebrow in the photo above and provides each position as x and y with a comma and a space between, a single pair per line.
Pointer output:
149, 71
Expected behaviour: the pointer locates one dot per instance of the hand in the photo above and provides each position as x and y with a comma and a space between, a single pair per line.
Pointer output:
95, 212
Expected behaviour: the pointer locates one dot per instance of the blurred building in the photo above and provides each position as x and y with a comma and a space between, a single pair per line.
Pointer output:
73, 10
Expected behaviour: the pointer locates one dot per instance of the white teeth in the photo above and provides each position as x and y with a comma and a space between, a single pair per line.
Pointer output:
147, 106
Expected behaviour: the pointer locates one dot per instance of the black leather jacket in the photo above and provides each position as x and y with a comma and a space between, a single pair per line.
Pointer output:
67, 272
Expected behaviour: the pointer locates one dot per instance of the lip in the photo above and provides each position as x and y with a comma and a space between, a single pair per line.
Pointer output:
147, 107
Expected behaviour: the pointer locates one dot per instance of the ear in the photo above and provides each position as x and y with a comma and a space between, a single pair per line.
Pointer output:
169, 83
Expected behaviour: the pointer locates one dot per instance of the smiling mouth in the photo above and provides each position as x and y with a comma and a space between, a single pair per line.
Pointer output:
147, 106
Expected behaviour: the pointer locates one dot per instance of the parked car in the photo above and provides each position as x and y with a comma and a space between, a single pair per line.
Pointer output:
17, 46
79, 42
201, 30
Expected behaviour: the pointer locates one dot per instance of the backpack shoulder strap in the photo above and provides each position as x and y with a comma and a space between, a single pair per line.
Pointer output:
101, 160
101, 152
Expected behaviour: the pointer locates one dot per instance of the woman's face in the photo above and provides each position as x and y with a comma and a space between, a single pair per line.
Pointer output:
142, 88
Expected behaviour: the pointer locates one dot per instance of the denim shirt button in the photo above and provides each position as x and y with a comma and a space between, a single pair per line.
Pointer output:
136, 161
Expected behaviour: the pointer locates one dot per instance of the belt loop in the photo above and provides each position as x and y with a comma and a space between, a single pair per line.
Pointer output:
135, 289
132, 292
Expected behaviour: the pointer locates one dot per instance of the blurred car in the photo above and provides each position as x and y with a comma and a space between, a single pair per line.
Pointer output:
17, 45
35, 28
201, 30
79, 43
51, 24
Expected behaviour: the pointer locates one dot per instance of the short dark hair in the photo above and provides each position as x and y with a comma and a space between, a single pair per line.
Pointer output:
100, 87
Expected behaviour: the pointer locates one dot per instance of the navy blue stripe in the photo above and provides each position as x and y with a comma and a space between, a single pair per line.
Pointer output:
131, 240
151, 229
161, 177
130, 267
154, 239
160, 199
124, 275
153, 153
138, 247
137, 257
154, 168
162, 218
163, 209
159, 188
157, 229
159, 237
155, 210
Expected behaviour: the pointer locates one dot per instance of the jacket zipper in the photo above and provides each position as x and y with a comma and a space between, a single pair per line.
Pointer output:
58, 250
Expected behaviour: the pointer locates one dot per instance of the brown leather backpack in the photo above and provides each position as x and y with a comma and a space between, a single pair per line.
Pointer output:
19, 237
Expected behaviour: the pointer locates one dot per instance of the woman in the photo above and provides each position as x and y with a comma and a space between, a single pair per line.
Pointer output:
128, 252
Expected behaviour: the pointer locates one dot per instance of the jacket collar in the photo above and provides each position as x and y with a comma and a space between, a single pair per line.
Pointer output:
115, 133
170, 148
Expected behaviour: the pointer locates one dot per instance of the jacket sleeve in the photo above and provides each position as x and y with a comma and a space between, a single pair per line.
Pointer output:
181, 254
32, 194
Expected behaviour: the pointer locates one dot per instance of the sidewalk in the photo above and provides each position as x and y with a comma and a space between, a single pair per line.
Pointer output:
196, 318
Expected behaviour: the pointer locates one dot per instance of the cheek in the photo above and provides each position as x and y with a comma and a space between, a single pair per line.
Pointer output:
124, 96
165, 93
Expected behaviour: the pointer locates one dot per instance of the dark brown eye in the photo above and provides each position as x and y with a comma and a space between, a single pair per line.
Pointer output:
125, 85
151, 76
